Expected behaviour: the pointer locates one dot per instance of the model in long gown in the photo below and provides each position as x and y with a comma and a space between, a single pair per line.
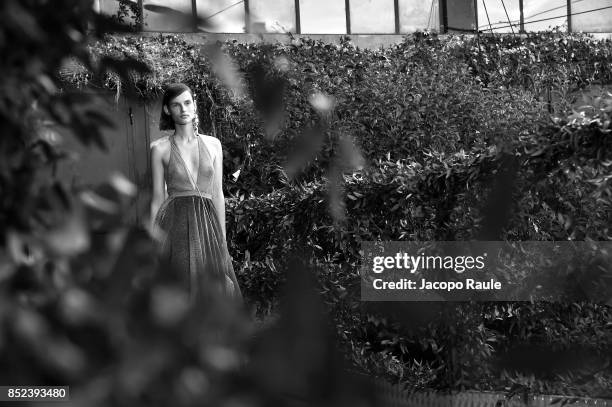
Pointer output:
193, 243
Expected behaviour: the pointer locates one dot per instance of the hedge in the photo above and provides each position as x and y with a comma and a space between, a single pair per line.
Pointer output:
451, 134
422, 95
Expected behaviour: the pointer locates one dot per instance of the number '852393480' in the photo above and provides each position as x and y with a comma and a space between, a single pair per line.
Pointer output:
34, 392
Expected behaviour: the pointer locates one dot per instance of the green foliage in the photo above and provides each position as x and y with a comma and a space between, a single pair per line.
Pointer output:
129, 10
83, 302
419, 96
537, 61
449, 128
443, 197
34, 108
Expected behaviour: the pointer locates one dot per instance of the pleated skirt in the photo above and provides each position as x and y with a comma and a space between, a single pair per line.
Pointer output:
193, 248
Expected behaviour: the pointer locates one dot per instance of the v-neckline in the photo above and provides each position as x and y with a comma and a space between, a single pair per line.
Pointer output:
189, 174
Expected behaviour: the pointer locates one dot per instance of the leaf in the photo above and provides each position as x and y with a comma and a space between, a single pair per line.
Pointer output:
100, 119
321, 102
104, 24
22, 18
225, 68
538, 152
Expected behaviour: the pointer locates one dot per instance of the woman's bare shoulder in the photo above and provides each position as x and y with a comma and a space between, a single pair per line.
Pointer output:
161, 148
161, 144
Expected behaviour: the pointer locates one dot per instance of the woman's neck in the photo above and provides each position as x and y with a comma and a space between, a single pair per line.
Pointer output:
184, 133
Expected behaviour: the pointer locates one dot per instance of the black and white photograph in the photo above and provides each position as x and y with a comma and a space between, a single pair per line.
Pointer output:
306, 203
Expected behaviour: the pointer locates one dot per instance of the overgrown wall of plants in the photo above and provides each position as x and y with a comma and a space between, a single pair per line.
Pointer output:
424, 94
461, 138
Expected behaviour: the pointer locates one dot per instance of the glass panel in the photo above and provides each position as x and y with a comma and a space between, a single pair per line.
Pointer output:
592, 21
461, 16
551, 11
108, 7
272, 15
157, 20
112, 8
322, 17
418, 15
372, 16
497, 16
222, 16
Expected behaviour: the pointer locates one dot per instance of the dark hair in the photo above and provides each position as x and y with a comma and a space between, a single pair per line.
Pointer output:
171, 91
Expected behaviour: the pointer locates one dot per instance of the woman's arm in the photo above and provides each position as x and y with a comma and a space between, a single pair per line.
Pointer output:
157, 169
218, 197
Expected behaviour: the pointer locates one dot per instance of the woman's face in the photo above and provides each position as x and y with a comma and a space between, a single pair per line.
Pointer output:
182, 108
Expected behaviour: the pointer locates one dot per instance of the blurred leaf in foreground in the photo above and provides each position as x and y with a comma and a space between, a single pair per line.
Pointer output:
296, 358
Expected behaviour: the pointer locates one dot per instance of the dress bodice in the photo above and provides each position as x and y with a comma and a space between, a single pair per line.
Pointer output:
177, 177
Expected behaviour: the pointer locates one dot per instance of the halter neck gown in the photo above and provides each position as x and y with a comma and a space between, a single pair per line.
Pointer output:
193, 244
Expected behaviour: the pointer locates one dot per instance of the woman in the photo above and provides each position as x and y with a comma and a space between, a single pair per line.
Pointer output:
192, 217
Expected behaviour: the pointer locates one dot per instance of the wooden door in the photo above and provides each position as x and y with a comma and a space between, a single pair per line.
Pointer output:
127, 152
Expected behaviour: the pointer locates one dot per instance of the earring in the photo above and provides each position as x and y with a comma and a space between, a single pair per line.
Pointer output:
196, 123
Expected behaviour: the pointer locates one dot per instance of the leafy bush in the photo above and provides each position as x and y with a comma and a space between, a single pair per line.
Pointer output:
421, 94
94, 310
459, 146
445, 197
